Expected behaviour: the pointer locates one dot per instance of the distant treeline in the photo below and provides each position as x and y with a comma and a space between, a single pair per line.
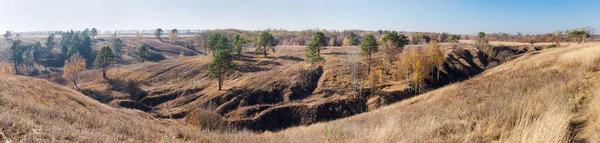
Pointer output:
336, 37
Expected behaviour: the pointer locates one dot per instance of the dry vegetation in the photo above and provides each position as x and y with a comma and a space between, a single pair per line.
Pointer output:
542, 96
546, 96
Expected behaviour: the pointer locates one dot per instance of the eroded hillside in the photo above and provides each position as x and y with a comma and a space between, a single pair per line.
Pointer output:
546, 96
270, 93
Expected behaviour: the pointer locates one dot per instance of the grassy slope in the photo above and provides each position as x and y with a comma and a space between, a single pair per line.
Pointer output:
548, 96
541, 97
37, 110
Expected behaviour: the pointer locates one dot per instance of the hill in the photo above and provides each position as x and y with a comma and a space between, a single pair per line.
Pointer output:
547, 96
35, 110
270, 93
538, 96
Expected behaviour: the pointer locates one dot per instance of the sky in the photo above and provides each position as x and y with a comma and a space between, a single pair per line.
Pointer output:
453, 16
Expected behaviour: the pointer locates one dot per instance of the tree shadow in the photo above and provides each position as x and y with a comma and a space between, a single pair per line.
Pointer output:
249, 68
244, 58
291, 58
335, 53
266, 62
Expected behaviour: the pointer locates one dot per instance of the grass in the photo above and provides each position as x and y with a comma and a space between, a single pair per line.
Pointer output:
547, 96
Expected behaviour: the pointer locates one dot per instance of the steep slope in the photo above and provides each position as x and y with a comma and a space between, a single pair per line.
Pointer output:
540, 97
35, 110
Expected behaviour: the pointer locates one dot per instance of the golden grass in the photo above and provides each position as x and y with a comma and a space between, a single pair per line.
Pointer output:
534, 98
531, 99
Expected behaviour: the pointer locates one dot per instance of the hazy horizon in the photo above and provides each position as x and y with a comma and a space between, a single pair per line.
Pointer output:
461, 17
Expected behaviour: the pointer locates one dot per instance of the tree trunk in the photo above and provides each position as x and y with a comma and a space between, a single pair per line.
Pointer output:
16, 68
75, 83
104, 73
220, 82
265, 52
438, 75
369, 65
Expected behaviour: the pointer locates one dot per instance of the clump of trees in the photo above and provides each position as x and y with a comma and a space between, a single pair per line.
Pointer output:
215, 42
453, 38
420, 63
351, 40
481, 42
16, 52
76, 42
265, 41
73, 65
580, 34
419, 38
104, 59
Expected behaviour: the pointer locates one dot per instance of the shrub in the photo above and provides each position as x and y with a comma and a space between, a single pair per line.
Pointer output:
206, 120
551, 46
134, 91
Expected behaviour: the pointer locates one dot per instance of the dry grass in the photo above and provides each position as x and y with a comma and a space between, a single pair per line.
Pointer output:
532, 99
40, 111
539, 97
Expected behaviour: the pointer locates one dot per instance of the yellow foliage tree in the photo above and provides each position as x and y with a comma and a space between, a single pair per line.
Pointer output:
6, 70
436, 57
345, 42
374, 80
332, 42
418, 64
73, 65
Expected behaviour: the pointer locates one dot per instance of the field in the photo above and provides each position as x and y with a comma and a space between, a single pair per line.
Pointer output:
510, 93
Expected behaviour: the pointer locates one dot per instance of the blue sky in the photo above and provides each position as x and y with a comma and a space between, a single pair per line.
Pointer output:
455, 16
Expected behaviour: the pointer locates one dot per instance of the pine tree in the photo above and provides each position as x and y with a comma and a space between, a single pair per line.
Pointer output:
221, 65
238, 43
312, 54
212, 41
223, 44
320, 41
143, 53
16, 51
353, 39
393, 43
104, 59
368, 47
118, 47
265, 41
